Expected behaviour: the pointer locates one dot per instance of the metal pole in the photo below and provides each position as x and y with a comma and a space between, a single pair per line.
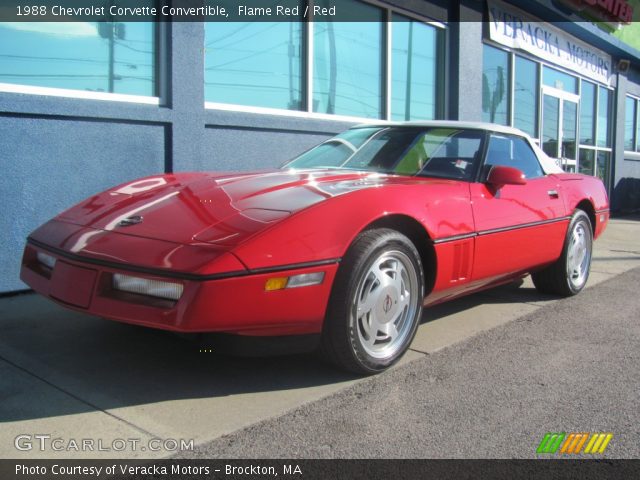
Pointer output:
111, 55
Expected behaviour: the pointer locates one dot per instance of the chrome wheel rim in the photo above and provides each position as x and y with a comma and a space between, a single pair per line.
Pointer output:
385, 304
579, 255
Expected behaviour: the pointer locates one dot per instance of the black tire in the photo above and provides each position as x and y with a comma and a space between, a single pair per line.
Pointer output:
556, 278
376, 303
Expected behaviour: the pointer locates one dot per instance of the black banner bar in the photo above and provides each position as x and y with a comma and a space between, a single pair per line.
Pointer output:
249, 10
317, 469
184, 11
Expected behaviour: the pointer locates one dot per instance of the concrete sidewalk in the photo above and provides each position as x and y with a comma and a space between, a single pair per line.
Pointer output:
77, 377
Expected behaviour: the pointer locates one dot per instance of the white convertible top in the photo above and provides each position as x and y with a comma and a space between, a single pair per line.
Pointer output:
548, 164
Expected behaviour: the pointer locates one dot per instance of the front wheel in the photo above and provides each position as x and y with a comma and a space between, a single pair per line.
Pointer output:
569, 274
376, 303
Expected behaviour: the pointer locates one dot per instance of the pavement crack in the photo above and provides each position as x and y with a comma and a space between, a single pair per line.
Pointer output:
418, 351
77, 398
625, 251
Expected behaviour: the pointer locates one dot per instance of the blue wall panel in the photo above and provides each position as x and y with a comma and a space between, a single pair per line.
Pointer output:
48, 165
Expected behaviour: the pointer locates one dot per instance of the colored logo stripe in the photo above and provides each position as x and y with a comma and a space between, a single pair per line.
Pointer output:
572, 443
550, 442
598, 443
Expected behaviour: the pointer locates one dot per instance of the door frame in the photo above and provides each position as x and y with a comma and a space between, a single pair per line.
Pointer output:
561, 95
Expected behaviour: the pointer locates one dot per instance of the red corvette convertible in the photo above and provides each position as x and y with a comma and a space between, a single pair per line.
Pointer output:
344, 245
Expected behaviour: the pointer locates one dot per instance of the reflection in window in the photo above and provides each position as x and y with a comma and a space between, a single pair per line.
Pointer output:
413, 88
437, 152
335, 151
602, 167
514, 152
495, 85
569, 127
254, 63
604, 109
585, 163
525, 99
347, 65
551, 117
629, 124
447, 152
560, 80
98, 57
588, 113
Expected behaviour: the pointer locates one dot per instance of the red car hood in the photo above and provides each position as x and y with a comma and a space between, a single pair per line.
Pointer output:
220, 209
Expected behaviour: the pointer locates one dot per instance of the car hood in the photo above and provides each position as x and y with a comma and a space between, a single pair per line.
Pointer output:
220, 209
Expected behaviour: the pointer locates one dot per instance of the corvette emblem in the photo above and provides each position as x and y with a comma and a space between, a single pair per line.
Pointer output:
388, 303
127, 222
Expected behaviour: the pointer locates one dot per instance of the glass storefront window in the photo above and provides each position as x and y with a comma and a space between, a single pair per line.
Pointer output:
604, 110
525, 96
414, 79
271, 65
98, 57
569, 125
588, 113
586, 161
550, 125
347, 65
495, 85
257, 64
603, 167
583, 124
629, 124
560, 80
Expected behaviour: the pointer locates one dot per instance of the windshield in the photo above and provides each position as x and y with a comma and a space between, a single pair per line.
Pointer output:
436, 151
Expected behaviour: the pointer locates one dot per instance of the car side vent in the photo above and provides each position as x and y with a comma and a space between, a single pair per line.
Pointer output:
461, 262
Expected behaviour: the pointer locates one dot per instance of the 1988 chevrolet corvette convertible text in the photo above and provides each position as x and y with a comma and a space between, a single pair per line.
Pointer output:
344, 245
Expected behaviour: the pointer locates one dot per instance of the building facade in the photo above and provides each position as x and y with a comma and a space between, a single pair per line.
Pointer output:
87, 106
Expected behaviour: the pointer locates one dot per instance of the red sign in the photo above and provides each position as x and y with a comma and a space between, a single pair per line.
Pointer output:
606, 10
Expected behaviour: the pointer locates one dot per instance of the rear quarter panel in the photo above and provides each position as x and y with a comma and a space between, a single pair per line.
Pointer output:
577, 188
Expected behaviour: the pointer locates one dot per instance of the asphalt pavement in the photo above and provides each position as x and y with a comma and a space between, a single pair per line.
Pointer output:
570, 366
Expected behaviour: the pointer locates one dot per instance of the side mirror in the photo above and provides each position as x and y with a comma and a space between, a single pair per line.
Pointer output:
501, 175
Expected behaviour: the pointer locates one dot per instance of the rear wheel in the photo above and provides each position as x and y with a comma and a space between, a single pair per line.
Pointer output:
569, 274
376, 303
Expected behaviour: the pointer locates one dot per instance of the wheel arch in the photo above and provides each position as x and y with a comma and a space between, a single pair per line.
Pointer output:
414, 231
586, 206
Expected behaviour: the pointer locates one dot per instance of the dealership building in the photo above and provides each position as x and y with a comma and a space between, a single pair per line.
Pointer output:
85, 106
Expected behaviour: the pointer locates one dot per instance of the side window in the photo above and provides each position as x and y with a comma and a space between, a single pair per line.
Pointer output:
511, 151
450, 153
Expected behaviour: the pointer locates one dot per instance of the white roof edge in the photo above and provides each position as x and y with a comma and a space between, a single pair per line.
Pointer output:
449, 123
549, 165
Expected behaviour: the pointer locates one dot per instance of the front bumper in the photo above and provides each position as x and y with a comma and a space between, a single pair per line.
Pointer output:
238, 304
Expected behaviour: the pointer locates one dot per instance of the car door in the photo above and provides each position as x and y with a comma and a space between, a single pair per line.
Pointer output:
518, 226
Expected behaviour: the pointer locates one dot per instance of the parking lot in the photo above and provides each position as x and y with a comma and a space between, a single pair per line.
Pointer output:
71, 376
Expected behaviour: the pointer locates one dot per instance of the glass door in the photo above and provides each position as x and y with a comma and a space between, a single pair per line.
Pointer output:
551, 126
560, 126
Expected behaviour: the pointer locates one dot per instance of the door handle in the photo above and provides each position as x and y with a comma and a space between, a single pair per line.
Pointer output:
553, 193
